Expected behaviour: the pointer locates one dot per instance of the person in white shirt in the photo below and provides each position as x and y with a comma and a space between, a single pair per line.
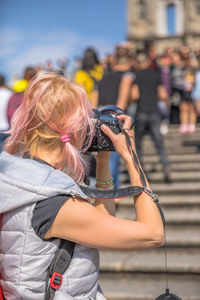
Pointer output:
5, 94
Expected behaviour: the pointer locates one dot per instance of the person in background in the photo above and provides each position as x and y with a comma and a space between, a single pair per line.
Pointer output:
49, 66
146, 90
108, 62
90, 73
114, 89
87, 76
187, 109
178, 86
196, 93
62, 67
164, 63
5, 94
19, 88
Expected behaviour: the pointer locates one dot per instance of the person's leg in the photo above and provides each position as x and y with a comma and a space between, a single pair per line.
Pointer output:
140, 127
154, 125
115, 168
192, 117
165, 116
183, 116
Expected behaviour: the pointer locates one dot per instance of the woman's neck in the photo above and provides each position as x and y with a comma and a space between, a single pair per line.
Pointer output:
51, 157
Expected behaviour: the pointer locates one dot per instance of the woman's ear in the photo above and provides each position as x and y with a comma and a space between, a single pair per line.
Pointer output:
77, 139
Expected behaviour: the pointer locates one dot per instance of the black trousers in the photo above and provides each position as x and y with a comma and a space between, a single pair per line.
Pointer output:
150, 123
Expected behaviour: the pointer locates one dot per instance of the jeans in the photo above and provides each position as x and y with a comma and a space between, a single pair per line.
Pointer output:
3, 137
114, 168
151, 123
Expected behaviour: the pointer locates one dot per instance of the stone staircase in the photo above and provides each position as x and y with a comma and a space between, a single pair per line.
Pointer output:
140, 275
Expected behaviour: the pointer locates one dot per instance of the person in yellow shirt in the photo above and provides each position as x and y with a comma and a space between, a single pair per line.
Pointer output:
90, 72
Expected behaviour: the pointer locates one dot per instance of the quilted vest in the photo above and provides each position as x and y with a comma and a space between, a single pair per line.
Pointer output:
24, 257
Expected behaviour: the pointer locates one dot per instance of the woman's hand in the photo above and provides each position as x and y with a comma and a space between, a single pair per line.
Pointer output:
119, 140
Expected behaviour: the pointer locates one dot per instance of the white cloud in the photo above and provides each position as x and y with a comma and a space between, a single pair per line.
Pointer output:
19, 50
10, 39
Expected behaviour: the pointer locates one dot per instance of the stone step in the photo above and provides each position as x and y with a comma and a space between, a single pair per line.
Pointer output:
144, 287
174, 175
173, 215
175, 166
151, 261
185, 136
148, 150
178, 188
174, 132
194, 138
173, 158
175, 127
169, 200
183, 236
169, 141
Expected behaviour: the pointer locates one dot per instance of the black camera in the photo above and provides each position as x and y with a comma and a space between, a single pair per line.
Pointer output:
108, 116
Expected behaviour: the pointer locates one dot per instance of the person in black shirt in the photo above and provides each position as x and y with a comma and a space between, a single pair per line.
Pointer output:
114, 89
147, 89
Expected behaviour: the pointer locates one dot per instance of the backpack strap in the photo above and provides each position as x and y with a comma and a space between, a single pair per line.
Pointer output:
1, 294
58, 267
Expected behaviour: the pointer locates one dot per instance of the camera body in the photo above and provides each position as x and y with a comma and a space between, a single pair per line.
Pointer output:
108, 116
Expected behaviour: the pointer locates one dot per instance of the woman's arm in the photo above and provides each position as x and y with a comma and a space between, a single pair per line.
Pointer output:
94, 99
103, 175
124, 91
83, 223
135, 92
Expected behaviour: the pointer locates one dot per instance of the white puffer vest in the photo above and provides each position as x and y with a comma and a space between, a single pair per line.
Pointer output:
24, 257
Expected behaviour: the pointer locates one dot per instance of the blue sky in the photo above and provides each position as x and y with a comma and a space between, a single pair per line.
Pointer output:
33, 31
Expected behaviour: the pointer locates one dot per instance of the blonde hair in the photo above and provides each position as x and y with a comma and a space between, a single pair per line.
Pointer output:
52, 107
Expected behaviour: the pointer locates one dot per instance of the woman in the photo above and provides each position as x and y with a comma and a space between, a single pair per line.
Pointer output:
114, 89
89, 74
41, 202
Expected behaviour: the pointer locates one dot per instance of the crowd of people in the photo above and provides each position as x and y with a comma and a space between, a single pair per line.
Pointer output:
156, 89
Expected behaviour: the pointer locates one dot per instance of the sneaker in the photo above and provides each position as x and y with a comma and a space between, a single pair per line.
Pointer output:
164, 129
167, 178
183, 128
191, 128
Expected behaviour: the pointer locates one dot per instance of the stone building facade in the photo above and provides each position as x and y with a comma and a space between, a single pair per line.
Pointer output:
164, 23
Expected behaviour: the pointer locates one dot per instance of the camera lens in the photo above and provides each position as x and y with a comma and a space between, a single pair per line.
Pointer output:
104, 142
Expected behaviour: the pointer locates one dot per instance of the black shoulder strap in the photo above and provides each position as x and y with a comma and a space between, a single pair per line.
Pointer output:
110, 194
58, 267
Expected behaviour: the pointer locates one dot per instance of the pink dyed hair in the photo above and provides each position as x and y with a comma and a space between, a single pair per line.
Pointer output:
52, 107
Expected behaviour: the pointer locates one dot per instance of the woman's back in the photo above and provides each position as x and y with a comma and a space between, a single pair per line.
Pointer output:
26, 256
